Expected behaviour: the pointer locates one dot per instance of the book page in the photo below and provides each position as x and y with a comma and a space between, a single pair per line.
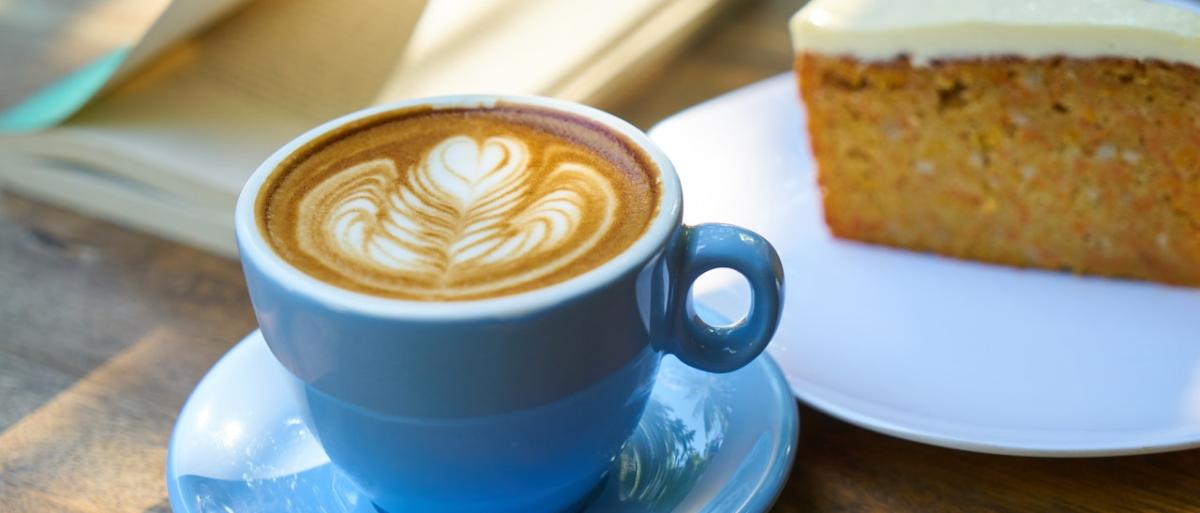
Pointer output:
61, 55
315, 58
519, 47
201, 118
629, 61
127, 202
182, 18
44, 41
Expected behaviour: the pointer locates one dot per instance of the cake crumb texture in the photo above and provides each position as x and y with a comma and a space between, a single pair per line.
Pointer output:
1087, 165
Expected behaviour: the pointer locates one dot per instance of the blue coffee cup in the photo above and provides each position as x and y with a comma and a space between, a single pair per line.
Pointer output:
511, 404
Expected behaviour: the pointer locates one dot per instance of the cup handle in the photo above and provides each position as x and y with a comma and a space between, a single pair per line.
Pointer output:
726, 348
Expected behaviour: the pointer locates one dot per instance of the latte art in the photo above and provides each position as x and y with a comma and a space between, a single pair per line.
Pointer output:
467, 206
457, 204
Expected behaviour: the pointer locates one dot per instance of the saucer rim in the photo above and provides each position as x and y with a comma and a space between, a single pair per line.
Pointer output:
759, 499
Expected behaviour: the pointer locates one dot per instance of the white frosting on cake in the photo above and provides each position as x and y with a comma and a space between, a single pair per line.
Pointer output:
935, 29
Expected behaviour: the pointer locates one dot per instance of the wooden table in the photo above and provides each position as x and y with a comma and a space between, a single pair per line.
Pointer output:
104, 331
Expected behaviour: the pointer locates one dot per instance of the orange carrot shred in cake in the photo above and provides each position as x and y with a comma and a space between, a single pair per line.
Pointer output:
1059, 134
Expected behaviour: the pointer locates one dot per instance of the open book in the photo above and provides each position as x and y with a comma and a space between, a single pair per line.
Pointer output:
164, 138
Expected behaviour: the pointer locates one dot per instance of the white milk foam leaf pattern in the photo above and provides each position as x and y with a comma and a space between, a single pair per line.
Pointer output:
465, 205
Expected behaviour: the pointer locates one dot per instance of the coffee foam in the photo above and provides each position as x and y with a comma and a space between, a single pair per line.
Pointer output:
460, 203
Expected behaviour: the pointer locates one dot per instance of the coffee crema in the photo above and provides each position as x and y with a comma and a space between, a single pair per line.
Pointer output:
449, 204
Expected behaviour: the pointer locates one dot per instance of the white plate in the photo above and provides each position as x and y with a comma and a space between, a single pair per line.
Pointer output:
947, 352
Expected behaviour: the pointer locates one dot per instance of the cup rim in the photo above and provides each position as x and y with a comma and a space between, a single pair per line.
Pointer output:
253, 247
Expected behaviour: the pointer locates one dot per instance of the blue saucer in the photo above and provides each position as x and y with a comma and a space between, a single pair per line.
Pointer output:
707, 443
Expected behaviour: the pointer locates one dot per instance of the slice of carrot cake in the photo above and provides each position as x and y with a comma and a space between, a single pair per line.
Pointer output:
1061, 134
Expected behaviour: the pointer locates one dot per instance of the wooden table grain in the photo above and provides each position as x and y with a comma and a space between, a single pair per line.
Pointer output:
104, 331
